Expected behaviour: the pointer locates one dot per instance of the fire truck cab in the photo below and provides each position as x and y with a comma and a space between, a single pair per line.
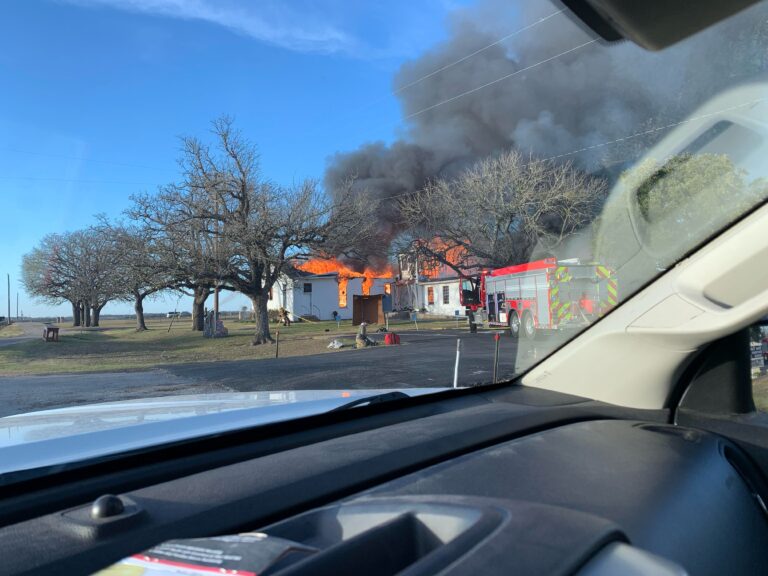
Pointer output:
546, 294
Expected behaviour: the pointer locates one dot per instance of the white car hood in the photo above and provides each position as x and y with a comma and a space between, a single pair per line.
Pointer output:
67, 435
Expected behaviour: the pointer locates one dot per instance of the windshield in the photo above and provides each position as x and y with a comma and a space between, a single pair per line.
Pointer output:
214, 197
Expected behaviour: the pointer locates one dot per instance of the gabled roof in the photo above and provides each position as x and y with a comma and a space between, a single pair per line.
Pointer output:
297, 274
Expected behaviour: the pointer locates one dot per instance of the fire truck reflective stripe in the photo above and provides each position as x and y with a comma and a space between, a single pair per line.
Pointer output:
611, 287
553, 313
556, 309
554, 302
605, 308
562, 275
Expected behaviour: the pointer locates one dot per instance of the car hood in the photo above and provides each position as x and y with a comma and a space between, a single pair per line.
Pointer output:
40, 440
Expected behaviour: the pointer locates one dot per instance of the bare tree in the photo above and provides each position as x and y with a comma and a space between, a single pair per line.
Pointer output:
98, 284
77, 267
249, 227
497, 211
139, 265
182, 243
48, 274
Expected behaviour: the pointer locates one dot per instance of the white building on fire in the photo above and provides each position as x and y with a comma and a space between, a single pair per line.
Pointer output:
305, 294
435, 292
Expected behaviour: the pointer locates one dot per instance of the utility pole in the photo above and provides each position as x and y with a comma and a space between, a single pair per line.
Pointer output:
17, 306
216, 304
418, 295
218, 276
9, 299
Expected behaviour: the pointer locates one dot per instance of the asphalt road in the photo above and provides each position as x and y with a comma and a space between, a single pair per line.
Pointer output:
30, 329
425, 359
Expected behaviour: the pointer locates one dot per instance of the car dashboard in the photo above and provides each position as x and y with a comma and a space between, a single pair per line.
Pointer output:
478, 481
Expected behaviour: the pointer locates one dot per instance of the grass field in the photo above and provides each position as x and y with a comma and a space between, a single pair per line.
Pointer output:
10, 331
760, 392
116, 345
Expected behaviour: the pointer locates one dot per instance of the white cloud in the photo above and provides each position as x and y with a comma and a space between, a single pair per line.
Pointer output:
279, 23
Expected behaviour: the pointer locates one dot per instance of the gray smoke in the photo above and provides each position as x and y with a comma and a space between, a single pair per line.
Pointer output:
593, 95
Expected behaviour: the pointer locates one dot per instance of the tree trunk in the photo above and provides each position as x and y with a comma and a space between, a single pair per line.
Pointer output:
261, 336
86, 312
96, 312
138, 306
75, 314
198, 307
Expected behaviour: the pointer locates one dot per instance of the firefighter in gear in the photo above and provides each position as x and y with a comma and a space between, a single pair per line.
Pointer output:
586, 304
472, 322
284, 317
362, 340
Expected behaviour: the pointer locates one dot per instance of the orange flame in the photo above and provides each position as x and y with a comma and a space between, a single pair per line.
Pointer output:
433, 268
327, 266
343, 292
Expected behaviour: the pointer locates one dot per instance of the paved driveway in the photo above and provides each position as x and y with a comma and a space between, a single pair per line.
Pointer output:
30, 329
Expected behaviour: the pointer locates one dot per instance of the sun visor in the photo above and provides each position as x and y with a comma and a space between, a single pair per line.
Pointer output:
652, 24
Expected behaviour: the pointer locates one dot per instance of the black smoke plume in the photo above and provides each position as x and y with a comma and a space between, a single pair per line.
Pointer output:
578, 99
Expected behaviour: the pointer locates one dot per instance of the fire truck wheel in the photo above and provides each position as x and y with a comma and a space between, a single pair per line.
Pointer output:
528, 325
514, 324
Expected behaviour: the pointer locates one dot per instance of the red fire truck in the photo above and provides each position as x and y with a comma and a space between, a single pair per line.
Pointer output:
546, 294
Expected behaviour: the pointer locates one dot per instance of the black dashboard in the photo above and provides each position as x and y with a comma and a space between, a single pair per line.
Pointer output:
511, 480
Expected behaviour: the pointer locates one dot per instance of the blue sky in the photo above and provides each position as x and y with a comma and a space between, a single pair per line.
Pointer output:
94, 94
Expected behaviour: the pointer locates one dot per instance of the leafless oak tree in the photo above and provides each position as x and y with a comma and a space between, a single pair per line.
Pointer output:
497, 211
77, 267
239, 230
50, 275
139, 265
182, 244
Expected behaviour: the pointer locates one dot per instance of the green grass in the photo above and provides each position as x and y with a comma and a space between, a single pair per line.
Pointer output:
760, 392
116, 346
11, 331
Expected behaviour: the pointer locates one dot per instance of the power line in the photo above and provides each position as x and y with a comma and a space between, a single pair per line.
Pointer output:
618, 140
460, 60
656, 129
72, 180
402, 88
478, 51
80, 159
550, 158
505, 77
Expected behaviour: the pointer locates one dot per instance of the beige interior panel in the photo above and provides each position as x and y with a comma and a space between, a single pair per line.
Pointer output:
634, 355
